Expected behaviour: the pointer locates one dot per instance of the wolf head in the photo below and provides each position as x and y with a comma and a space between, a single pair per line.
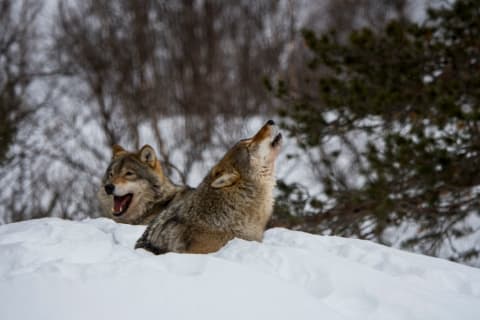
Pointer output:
132, 183
251, 159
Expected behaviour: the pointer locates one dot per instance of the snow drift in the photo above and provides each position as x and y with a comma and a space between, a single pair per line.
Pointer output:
57, 269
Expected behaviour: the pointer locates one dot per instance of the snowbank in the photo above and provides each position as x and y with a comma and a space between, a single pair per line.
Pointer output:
56, 269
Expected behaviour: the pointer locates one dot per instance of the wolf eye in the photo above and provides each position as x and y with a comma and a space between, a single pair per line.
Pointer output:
128, 173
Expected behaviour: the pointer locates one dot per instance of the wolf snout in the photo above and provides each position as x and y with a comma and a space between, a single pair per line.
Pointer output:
109, 188
271, 122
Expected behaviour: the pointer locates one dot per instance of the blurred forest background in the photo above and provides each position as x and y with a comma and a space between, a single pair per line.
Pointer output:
379, 100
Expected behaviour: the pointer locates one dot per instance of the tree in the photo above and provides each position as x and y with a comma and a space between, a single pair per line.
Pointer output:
24, 93
390, 119
202, 61
18, 69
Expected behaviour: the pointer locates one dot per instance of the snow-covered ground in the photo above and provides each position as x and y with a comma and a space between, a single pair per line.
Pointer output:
57, 269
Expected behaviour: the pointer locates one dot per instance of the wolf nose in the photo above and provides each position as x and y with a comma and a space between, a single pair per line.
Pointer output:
270, 122
109, 188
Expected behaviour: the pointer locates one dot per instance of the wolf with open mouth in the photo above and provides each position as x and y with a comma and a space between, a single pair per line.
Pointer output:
134, 188
235, 199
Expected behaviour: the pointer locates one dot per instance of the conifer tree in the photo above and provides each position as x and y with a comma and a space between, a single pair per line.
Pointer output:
402, 105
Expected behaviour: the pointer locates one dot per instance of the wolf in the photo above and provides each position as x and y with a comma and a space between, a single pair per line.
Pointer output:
235, 199
134, 188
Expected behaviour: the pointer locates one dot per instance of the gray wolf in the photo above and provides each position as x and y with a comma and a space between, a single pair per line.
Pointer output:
134, 188
235, 199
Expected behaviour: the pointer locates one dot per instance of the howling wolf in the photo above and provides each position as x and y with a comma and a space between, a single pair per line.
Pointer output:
234, 200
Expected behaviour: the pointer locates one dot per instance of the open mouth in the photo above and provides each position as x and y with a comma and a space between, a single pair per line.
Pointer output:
121, 204
276, 140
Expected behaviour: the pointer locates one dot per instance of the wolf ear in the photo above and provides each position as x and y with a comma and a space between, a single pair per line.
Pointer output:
147, 155
225, 179
117, 150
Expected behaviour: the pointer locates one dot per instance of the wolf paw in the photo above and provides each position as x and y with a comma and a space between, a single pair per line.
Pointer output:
142, 244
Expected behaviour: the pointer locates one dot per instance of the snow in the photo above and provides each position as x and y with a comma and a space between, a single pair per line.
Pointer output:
57, 269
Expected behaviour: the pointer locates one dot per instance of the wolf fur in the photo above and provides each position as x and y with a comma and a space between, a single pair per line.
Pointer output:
139, 178
235, 199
